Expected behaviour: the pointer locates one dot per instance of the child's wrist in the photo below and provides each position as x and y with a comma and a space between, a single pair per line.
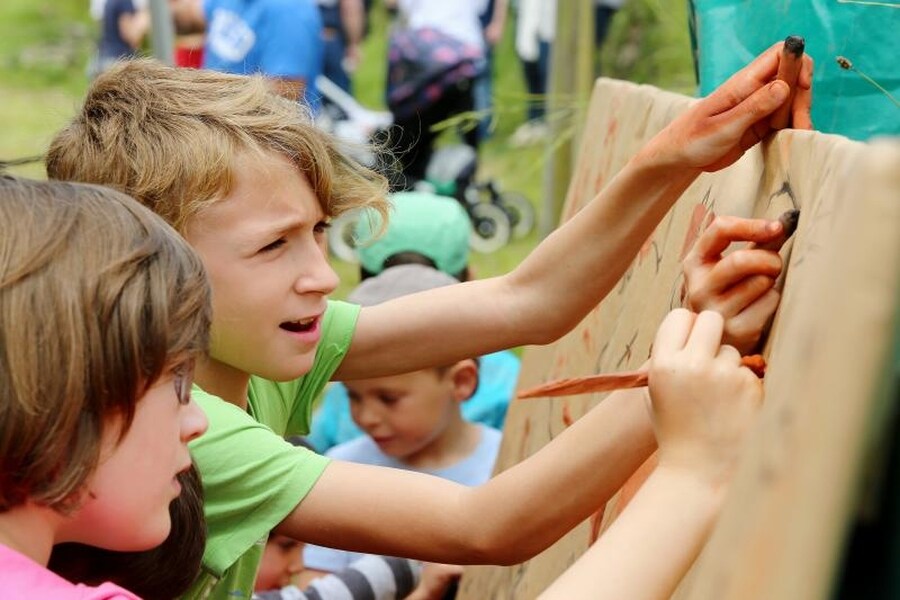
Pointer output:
708, 481
655, 161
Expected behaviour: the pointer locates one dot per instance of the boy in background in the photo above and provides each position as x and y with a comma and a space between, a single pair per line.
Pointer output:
412, 421
430, 230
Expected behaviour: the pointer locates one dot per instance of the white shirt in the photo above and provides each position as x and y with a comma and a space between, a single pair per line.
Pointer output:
456, 18
536, 23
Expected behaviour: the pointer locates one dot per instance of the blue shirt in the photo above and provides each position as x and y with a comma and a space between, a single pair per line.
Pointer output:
497, 377
276, 38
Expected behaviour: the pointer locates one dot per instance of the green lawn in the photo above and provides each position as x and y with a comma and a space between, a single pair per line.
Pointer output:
45, 44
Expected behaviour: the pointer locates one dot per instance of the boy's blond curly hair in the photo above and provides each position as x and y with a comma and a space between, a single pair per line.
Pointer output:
169, 137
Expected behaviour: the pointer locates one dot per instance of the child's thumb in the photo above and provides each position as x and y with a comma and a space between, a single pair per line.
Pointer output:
760, 104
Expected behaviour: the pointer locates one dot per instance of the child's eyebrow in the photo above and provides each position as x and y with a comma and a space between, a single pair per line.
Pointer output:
282, 227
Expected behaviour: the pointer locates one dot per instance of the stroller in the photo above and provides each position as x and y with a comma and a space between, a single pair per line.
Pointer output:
427, 89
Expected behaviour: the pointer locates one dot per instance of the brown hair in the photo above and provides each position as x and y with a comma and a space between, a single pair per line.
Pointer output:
162, 573
169, 137
98, 297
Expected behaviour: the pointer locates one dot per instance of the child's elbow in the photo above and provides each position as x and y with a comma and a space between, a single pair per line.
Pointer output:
550, 329
500, 549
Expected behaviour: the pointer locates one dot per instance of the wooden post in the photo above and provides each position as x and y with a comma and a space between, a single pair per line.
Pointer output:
571, 79
162, 31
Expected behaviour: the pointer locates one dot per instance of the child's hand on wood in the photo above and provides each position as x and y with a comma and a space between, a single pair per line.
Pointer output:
715, 131
703, 400
739, 286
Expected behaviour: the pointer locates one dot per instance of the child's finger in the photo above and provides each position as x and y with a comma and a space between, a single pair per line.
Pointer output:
729, 354
806, 72
737, 122
726, 229
790, 64
747, 81
740, 265
748, 324
800, 110
706, 334
738, 297
673, 333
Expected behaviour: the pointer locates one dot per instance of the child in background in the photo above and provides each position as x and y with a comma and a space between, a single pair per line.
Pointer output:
251, 185
431, 230
412, 421
96, 351
124, 25
369, 578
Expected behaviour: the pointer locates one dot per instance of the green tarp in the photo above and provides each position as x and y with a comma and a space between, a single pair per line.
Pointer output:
729, 33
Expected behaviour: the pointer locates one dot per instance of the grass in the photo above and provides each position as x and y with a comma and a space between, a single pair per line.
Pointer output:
45, 45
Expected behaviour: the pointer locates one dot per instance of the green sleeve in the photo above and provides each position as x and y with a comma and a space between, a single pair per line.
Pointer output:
252, 479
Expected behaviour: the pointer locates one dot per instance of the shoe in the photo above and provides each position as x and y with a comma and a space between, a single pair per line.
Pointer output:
528, 134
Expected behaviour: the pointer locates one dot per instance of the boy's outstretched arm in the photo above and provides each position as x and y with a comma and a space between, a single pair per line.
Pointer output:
703, 403
576, 266
512, 517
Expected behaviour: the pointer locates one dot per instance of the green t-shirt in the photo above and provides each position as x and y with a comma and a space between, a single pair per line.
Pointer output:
252, 478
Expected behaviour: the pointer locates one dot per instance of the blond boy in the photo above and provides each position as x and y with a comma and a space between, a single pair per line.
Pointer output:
251, 186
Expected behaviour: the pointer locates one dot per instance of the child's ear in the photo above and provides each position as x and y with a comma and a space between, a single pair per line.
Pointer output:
464, 378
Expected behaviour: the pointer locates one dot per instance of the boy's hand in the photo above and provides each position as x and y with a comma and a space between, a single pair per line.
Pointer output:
739, 286
435, 581
716, 130
703, 399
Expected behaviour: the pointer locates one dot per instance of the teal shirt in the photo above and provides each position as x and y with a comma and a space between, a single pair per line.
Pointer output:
252, 478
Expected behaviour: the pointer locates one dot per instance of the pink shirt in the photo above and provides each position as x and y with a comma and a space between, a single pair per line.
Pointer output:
23, 579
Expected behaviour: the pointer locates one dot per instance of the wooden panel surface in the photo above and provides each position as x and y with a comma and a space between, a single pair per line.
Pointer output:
784, 522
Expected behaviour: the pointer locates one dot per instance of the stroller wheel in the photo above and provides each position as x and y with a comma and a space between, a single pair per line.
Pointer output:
520, 211
341, 239
491, 228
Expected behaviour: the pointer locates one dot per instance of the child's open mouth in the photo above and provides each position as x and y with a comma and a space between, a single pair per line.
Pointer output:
299, 326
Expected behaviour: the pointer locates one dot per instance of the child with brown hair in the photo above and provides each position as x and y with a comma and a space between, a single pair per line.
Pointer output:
97, 346
251, 185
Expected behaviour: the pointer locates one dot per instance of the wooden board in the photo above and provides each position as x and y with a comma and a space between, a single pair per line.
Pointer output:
826, 351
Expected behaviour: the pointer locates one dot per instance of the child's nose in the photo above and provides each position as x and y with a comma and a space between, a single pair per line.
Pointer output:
366, 418
296, 565
317, 276
193, 421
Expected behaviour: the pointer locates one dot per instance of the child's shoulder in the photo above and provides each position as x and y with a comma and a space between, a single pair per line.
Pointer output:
25, 578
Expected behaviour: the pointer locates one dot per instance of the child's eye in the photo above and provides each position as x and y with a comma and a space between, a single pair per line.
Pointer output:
388, 400
273, 246
321, 227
